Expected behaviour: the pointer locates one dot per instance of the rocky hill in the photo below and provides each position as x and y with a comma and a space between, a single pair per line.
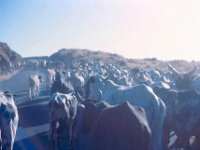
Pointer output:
68, 56
9, 60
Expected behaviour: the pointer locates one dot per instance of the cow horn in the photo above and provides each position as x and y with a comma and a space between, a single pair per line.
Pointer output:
173, 69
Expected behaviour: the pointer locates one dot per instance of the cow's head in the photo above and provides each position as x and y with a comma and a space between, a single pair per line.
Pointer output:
183, 80
58, 76
94, 87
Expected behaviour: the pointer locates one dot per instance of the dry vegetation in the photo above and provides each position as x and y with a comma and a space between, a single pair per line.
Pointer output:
84, 55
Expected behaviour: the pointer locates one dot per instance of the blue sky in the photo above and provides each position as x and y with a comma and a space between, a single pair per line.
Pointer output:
132, 28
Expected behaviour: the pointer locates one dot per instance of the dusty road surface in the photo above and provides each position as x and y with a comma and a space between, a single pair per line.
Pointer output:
32, 132
17, 83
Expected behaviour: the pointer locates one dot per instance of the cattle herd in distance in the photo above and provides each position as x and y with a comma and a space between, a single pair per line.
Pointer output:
103, 101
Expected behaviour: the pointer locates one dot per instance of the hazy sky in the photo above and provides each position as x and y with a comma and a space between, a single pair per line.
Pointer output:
166, 29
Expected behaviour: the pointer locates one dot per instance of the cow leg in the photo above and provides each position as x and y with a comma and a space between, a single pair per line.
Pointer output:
186, 144
33, 93
53, 145
37, 91
30, 93
70, 135
0, 141
182, 142
8, 140
197, 142
72, 139
166, 137
53, 136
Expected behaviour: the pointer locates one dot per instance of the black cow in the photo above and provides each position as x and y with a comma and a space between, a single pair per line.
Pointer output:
92, 110
60, 85
182, 115
183, 81
106, 127
122, 127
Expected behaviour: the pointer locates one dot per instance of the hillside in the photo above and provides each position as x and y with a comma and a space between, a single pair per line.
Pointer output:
9, 60
83, 55
68, 56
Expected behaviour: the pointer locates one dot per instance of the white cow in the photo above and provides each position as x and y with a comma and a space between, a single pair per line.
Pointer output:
34, 85
8, 120
140, 95
50, 77
76, 80
63, 110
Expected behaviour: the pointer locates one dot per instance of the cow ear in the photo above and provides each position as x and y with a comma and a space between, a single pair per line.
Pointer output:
81, 107
6, 92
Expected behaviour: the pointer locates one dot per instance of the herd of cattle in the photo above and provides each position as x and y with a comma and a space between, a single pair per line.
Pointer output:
104, 107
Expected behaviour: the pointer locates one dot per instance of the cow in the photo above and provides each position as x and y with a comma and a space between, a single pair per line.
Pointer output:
160, 84
63, 111
140, 76
60, 84
140, 95
87, 113
87, 123
34, 85
50, 74
122, 127
8, 120
196, 83
182, 115
183, 81
77, 81
155, 75
92, 110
